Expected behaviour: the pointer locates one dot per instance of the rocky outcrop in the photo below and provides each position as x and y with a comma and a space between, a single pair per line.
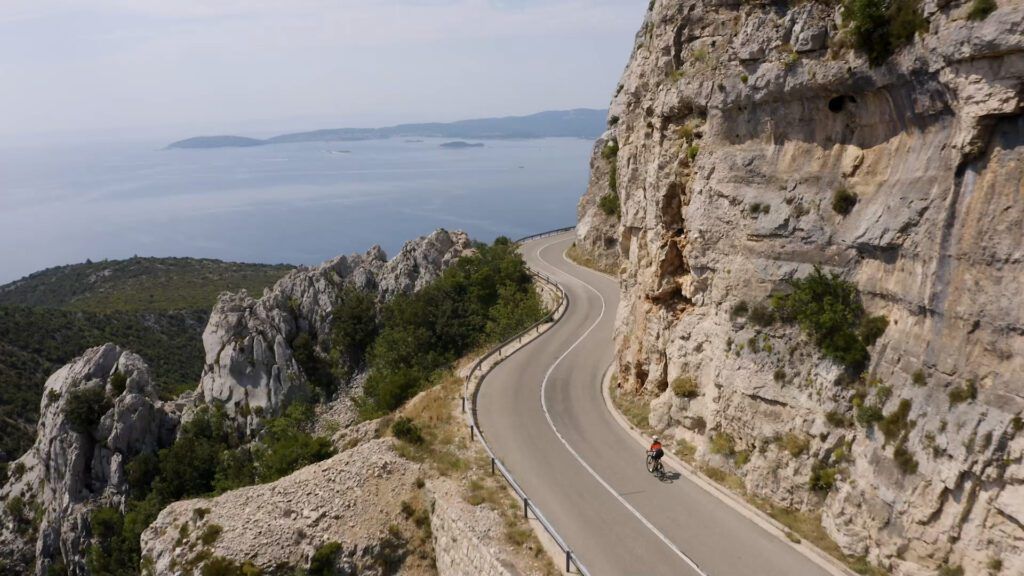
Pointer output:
78, 460
251, 367
737, 126
597, 229
354, 499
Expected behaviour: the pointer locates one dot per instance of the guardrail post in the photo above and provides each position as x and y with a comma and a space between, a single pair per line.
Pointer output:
568, 561
471, 436
526, 507
492, 465
463, 404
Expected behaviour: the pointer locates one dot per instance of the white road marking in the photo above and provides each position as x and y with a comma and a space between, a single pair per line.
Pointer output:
547, 414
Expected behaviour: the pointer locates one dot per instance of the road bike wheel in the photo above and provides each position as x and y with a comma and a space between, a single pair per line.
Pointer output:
651, 464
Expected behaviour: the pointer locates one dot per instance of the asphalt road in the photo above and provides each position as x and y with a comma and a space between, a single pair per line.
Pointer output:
543, 413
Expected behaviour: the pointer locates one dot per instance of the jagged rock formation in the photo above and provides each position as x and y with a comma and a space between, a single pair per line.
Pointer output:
68, 473
352, 499
250, 366
737, 125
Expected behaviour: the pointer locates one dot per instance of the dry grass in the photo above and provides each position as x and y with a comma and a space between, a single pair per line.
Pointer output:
577, 256
449, 452
635, 407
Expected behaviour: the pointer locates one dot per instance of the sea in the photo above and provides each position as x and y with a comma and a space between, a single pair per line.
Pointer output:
287, 203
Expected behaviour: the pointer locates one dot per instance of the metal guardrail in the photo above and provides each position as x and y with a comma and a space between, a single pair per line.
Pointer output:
480, 373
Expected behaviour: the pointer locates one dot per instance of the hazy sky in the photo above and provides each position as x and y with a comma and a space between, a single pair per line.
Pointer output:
177, 68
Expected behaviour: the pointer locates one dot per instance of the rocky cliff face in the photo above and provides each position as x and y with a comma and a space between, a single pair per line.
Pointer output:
78, 460
751, 143
250, 365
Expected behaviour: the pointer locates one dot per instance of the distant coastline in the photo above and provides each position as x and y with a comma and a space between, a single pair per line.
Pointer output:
578, 123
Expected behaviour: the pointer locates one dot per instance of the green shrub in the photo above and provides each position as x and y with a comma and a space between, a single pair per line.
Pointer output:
762, 315
905, 460
610, 204
324, 560
918, 378
118, 383
140, 473
969, 391
951, 570
829, 309
897, 422
980, 9
722, 443
210, 534
685, 387
613, 178
219, 566
843, 201
822, 478
744, 78
872, 328
691, 152
317, 369
795, 443
837, 419
995, 565
868, 415
354, 327
407, 431
881, 27
739, 310
779, 375
85, 407
285, 445
1017, 424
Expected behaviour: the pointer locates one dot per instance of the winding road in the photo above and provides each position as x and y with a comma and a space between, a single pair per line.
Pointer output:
543, 413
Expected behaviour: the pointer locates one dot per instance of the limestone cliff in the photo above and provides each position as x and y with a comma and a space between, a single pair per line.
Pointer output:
752, 143
97, 413
250, 363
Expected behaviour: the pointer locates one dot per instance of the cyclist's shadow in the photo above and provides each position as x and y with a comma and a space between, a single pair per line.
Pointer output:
669, 477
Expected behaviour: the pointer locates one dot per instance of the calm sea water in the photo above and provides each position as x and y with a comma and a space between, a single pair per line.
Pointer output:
294, 203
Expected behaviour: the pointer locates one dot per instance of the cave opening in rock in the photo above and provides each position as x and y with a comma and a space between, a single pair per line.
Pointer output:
836, 105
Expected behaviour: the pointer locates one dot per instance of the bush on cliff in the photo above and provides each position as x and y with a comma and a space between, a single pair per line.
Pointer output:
85, 407
881, 27
829, 309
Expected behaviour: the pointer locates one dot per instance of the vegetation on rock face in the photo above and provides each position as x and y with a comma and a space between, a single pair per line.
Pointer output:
85, 407
485, 297
829, 309
843, 201
881, 27
980, 9
206, 459
610, 204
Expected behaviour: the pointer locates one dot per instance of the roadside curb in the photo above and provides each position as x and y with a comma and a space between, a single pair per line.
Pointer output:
734, 501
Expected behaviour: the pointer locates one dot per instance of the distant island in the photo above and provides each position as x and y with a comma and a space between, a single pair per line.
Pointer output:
578, 123
462, 144
217, 142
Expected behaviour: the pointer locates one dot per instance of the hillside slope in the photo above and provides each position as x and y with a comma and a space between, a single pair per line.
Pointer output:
751, 143
155, 306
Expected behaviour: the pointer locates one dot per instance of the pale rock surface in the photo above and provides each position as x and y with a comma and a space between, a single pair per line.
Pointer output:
730, 106
351, 498
250, 366
68, 474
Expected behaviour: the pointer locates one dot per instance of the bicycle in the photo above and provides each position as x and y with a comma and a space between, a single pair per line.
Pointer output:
654, 465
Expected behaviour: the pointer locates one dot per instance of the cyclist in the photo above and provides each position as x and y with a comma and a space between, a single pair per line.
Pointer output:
656, 450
